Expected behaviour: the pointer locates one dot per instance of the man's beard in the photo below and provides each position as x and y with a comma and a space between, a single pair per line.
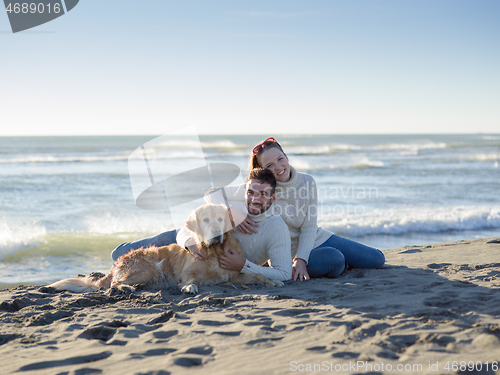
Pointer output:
257, 206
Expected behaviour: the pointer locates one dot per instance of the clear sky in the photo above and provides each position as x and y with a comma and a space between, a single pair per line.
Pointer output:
255, 66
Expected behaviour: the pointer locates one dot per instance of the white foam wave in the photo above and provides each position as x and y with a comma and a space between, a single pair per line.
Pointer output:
221, 144
127, 222
308, 150
187, 144
414, 147
300, 164
483, 157
344, 147
303, 166
62, 159
413, 219
154, 154
15, 237
404, 148
320, 149
367, 163
181, 154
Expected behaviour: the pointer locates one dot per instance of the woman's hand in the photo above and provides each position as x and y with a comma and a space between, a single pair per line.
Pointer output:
231, 260
193, 248
299, 271
248, 226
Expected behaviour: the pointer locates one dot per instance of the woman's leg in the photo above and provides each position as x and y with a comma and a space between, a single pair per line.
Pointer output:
162, 239
356, 254
325, 262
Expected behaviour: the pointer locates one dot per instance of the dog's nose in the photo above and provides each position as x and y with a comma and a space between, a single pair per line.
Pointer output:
216, 231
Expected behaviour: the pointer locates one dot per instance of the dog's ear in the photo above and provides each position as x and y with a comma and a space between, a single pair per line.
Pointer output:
228, 221
192, 223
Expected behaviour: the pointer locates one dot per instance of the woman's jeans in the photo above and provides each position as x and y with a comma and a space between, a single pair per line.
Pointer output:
163, 239
330, 258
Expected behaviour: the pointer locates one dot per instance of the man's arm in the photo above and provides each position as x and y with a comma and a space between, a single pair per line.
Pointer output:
185, 240
278, 246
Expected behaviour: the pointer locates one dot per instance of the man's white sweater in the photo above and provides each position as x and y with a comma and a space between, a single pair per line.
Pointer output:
270, 243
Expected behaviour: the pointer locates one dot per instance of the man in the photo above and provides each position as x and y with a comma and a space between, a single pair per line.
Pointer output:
271, 242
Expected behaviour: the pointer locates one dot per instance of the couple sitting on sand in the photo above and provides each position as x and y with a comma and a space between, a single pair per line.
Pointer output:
282, 207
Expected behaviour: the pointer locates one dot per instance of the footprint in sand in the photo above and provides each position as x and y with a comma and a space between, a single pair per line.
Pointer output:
86, 371
227, 333
98, 333
103, 331
320, 349
436, 266
118, 343
165, 334
47, 318
4, 339
188, 362
260, 322
152, 353
146, 328
66, 362
16, 305
265, 341
412, 251
213, 323
345, 355
162, 318
297, 312
201, 350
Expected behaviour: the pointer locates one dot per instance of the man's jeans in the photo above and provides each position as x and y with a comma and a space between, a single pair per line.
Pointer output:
163, 239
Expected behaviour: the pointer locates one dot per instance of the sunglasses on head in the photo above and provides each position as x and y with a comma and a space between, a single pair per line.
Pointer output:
268, 142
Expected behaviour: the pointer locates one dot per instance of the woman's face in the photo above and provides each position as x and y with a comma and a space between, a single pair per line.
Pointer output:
274, 160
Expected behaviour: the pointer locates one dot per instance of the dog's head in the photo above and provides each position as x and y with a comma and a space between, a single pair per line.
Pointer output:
209, 223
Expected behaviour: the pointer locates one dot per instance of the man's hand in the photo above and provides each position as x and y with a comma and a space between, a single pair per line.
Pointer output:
231, 260
299, 270
193, 248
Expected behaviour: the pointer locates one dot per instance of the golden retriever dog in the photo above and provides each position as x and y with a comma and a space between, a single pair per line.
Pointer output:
172, 265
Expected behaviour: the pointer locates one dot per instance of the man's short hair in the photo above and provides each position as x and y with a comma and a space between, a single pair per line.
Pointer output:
264, 176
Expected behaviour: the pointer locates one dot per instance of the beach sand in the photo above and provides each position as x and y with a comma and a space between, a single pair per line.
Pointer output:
427, 311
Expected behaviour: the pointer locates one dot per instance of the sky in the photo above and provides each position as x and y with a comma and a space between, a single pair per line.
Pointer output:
120, 67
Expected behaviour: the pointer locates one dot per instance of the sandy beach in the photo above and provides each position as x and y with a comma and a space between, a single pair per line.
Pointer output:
431, 309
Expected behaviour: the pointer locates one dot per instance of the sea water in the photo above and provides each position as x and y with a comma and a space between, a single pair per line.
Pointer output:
66, 202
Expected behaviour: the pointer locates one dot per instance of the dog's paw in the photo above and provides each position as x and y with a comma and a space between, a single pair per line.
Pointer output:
276, 283
189, 289
119, 289
126, 289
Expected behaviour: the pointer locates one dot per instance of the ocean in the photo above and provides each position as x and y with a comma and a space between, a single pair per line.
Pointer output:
66, 202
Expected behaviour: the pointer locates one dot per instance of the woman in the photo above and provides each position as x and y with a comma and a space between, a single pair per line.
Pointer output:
315, 251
